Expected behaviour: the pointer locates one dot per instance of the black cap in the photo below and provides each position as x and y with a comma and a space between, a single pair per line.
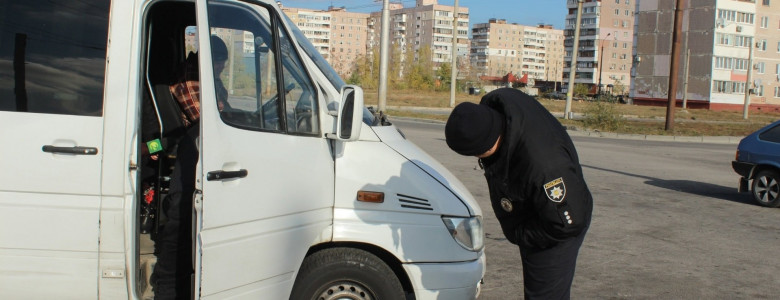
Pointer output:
473, 129
219, 51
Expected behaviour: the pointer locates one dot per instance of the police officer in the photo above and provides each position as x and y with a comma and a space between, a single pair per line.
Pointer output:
537, 190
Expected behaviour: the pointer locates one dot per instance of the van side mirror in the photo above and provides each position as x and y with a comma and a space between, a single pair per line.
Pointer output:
350, 115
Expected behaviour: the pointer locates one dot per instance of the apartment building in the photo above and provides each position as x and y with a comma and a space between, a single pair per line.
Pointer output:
499, 48
427, 24
340, 36
718, 49
605, 45
766, 59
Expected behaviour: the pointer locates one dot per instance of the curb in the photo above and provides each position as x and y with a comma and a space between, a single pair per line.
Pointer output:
658, 138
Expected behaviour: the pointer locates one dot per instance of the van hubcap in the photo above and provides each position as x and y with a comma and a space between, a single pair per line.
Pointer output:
346, 290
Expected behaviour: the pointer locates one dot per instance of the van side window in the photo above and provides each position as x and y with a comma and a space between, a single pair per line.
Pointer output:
300, 95
53, 56
249, 74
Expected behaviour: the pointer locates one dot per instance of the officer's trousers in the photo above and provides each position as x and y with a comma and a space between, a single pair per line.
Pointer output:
548, 273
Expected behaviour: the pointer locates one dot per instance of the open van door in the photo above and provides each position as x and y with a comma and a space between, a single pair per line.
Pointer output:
266, 169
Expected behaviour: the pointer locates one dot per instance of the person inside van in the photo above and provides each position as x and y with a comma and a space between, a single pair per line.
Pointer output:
172, 272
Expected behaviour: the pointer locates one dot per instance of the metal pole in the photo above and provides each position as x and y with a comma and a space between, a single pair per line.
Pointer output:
675, 65
601, 60
384, 52
573, 67
454, 66
685, 80
748, 82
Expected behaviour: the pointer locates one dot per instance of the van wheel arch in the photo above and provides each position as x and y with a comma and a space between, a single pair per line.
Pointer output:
388, 258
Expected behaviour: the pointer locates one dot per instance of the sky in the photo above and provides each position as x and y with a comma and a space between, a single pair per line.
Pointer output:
524, 12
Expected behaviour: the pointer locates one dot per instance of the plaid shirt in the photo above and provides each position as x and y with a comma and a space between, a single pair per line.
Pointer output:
186, 91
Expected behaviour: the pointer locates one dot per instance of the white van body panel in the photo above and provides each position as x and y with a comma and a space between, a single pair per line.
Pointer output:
391, 136
435, 280
413, 203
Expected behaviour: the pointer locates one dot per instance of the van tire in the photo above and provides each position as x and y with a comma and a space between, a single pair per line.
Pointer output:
339, 273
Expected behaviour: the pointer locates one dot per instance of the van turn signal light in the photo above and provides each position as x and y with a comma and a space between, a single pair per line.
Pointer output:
375, 197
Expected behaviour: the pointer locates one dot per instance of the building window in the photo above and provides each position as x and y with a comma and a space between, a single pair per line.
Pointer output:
766, 3
762, 46
764, 22
760, 66
759, 91
777, 92
617, 12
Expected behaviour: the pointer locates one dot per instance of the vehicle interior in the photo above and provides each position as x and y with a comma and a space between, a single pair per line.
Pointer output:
168, 43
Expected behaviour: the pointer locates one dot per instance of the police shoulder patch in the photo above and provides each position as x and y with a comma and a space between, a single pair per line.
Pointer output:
555, 190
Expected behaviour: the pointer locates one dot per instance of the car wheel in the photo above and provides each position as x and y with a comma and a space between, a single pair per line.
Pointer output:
766, 188
344, 273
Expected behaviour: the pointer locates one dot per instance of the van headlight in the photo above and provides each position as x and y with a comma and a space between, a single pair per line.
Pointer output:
467, 232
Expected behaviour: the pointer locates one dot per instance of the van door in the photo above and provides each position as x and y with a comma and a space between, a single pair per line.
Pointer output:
266, 170
52, 70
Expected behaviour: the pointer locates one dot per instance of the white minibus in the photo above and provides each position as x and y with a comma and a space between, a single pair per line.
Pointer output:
301, 192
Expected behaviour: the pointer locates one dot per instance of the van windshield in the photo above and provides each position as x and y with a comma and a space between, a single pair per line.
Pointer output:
326, 69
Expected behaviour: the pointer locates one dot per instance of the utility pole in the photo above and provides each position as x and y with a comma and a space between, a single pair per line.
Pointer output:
675, 65
573, 68
454, 67
748, 82
601, 60
384, 48
685, 80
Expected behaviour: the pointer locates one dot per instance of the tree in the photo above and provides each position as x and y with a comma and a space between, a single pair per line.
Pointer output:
580, 90
618, 88
365, 72
420, 75
395, 77
444, 74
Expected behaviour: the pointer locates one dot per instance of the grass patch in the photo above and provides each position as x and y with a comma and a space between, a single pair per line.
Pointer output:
623, 118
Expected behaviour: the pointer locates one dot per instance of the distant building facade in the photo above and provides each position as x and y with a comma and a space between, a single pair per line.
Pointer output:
605, 45
340, 36
499, 48
427, 24
719, 42
766, 71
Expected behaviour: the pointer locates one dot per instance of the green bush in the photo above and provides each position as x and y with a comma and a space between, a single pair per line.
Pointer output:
603, 115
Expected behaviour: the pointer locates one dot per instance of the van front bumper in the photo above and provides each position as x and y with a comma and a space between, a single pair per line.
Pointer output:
458, 280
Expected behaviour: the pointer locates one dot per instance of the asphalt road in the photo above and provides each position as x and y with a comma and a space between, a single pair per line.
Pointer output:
668, 223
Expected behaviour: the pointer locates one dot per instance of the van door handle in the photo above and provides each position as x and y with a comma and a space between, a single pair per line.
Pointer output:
222, 175
70, 150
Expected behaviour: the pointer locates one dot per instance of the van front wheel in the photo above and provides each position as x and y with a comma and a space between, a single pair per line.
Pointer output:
345, 273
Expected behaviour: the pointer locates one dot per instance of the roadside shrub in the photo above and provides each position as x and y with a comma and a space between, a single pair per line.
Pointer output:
603, 115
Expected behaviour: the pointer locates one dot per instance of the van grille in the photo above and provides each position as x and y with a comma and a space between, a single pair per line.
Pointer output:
413, 202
